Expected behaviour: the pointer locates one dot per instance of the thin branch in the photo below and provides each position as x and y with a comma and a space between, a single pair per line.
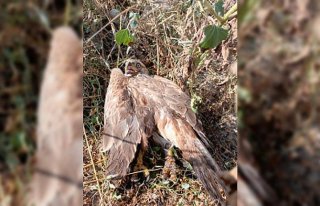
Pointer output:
231, 11
206, 6
112, 20
132, 173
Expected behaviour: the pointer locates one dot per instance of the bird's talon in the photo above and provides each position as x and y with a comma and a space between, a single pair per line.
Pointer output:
145, 172
169, 170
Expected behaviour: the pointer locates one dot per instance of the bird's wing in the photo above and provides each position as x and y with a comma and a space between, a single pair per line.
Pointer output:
177, 123
163, 94
122, 130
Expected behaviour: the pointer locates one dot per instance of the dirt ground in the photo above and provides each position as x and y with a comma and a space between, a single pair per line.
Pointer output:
279, 97
166, 41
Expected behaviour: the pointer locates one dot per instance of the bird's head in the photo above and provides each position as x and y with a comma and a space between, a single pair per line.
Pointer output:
134, 67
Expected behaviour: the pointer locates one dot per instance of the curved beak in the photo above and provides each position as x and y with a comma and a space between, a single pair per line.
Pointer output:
129, 70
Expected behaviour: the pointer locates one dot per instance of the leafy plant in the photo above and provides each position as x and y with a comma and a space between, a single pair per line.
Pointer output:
124, 37
214, 35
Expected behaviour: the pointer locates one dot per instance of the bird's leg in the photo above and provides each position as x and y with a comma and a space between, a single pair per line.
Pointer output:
140, 166
169, 169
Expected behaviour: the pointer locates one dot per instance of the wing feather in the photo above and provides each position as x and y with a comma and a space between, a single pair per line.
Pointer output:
163, 94
177, 123
122, 132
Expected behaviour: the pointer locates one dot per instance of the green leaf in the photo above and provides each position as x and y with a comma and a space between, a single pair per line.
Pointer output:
133, 24
124, 37
134, 17
214, 35
218, 7
19, 141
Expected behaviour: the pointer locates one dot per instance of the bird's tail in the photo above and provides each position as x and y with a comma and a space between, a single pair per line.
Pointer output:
205, 167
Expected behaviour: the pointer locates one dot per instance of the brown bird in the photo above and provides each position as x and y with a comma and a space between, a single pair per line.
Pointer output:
58, 171
137, 105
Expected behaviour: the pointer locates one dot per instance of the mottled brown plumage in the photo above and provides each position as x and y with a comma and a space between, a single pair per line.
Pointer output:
126, 125
144, 104
58, 170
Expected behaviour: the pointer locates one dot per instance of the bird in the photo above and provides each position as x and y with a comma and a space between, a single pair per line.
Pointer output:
57, 177
137, 105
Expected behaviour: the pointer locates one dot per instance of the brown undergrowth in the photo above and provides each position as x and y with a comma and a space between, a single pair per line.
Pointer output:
279, 97
166, 41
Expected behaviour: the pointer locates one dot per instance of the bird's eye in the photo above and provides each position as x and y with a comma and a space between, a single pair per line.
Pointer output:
138, 65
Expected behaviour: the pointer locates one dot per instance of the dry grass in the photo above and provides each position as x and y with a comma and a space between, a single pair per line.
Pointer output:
166, 40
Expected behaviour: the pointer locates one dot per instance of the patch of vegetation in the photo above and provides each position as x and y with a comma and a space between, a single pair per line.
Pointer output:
167, 36
279, 100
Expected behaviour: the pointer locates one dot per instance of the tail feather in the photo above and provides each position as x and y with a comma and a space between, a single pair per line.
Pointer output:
205, 168
182, 135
